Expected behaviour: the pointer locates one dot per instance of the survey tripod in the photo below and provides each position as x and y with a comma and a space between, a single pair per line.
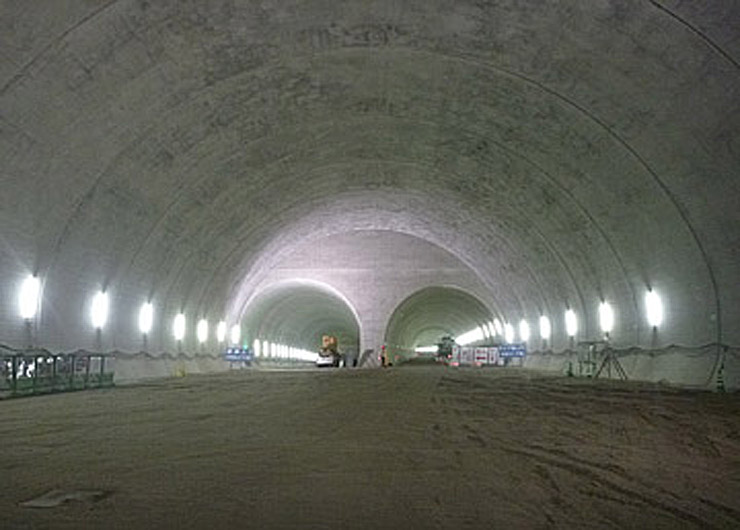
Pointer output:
602, 359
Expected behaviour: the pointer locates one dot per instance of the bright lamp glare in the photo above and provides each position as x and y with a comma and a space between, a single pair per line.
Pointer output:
524, 330
236, 334
202, 330
28, 298
99, 310
571, 323
606, 317
654, 308
146, 317
221, 331
256, 347
545, 327
498, 326
474, 335
178, 327
508, 333
426, 349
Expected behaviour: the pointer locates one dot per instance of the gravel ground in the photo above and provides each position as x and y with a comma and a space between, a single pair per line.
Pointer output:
407, 447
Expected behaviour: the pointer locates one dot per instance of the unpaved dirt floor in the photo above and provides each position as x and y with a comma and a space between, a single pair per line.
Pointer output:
407, 447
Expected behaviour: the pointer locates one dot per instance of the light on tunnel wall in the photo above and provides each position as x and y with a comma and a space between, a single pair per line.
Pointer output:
545, 328
508, 333
236, 334
99, 310
256, 348
498, 326
606, 317
28, 297
491, 329
571, 323
654, 307
524, 330
221, 331
474, 335
146, 317
202, 330
178, 327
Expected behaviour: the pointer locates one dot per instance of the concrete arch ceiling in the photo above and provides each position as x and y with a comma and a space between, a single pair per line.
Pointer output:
427, 315
564, 153
298, 313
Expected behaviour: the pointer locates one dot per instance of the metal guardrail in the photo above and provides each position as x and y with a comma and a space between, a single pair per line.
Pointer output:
26, 375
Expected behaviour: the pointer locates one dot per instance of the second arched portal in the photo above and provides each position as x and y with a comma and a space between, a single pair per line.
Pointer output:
426, 316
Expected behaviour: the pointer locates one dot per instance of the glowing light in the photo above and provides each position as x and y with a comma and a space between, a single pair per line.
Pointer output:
236, 333
571, 323
524, 330
28, 297
221, 331
508, 333
654, 307
498, 326
265, 348
426, 349
202, 330
256, 347
178, 327
99, 310
606, 317
474, 335
545, 328
146, 317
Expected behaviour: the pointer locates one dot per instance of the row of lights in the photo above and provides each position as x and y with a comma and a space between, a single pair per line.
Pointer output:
28, 304
653, 307
281, 351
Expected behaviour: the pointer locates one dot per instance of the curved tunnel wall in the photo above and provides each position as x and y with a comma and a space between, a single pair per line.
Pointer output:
566, 154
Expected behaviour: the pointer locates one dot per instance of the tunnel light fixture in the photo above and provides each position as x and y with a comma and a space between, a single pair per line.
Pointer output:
99, 310
256, 347
508, 333
202, 330
498, 326
146, 317
474, 335
606, 317
28, 297
524, 330
491, 329
545, 328
654, 307
221, 331
236, 334
178, 327
265, 348
571, 323
426, 349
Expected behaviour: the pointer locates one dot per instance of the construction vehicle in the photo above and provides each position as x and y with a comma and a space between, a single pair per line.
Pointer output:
329, 353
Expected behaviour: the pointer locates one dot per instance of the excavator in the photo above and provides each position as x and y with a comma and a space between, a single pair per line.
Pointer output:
329, 353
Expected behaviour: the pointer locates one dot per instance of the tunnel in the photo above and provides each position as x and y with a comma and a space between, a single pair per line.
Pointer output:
184, 183
298, 313
426, 316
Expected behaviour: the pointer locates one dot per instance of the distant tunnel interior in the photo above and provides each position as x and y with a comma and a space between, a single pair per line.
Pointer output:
426, 316
298, 313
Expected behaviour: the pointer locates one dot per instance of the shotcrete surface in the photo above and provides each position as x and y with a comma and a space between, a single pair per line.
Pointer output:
406, 447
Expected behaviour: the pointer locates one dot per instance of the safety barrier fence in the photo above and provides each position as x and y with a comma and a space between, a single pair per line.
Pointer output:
25, 375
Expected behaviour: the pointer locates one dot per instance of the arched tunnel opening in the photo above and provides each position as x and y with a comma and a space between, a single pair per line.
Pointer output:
426, 316
296, 314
